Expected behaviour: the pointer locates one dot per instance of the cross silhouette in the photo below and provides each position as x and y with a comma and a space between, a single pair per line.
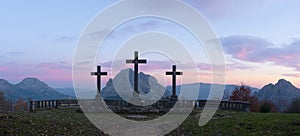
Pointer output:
98, 74
174, 74
136, 62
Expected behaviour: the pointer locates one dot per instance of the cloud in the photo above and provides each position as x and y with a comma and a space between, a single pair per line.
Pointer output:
296, 75
66, 38
11, 54
15, 53
144, 25
155, 65
255, 49
51, 65
56, 74
212, 8
100, 33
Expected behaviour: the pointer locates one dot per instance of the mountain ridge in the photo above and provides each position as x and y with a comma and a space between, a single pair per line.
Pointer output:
281, 93
124, 81
30, 87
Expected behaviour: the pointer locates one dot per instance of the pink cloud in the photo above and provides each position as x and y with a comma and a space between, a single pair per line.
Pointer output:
296, 75
254, 49
56, 74
4, 68
243, 53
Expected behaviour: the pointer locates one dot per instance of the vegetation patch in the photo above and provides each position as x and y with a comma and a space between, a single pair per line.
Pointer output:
72, 122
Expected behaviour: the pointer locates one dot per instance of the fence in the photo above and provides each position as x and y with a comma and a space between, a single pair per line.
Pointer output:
73, 103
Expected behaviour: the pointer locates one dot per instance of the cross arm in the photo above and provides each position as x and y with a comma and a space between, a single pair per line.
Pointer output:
103, 73
142, 61
169, 73
179, 73
94, 73
98, 74
129, 61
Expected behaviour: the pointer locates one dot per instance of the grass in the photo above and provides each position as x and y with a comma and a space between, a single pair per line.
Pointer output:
242, 123
72, 122
48, 122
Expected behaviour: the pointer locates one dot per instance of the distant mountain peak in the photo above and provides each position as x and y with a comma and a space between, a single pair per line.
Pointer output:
124, 81
280, 94
30, 88
31, 79
283, 82
127, 69
4, 84
32, 83
3, 81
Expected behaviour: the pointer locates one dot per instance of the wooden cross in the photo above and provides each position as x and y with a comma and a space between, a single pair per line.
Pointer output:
98, 74
174, 74
136, 62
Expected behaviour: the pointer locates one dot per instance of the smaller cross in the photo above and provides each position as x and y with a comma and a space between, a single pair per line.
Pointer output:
98, 74
174, 74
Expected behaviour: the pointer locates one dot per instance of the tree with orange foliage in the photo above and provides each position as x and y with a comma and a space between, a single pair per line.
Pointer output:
244, 93
20, 105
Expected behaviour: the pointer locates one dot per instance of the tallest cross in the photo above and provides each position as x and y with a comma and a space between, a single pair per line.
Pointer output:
136, 62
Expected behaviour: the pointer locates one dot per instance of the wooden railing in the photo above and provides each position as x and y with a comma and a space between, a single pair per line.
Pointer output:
43, 104
73, 103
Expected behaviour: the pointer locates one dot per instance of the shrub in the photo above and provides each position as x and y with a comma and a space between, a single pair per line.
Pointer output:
294, 106
267, 106
20, 105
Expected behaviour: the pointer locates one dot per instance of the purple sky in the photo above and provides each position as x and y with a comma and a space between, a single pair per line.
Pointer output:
260, 39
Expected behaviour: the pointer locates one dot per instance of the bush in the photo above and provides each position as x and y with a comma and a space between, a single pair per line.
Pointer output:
4, 104
294, 106
267, 106
20, 105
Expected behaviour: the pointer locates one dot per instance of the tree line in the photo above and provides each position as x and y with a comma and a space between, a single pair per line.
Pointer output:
9, 106
244, 93
241, 93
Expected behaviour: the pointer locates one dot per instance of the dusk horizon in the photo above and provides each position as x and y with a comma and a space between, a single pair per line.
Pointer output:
258, 49
169, 84
150, 67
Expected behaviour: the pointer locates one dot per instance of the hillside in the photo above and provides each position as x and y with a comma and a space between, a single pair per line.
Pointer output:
124, 82
204, 89
281, 94
72, 122
30, 88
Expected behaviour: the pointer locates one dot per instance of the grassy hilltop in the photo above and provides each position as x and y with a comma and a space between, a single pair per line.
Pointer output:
72, 122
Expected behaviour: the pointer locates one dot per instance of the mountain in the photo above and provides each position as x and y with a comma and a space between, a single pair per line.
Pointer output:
123, 82
281, 94
124, 79
30, 88
67, 91
8, 88
204, 89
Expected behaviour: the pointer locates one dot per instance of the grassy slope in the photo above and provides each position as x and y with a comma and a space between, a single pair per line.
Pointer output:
241, 123
70, 122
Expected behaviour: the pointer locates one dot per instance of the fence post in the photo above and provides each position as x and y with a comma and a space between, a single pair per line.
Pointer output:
31, 106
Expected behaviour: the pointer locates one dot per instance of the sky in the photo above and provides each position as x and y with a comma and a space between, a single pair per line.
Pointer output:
260, 39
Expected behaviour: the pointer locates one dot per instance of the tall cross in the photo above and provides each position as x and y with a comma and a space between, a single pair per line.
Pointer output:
174, 74
136, 62
98, 74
